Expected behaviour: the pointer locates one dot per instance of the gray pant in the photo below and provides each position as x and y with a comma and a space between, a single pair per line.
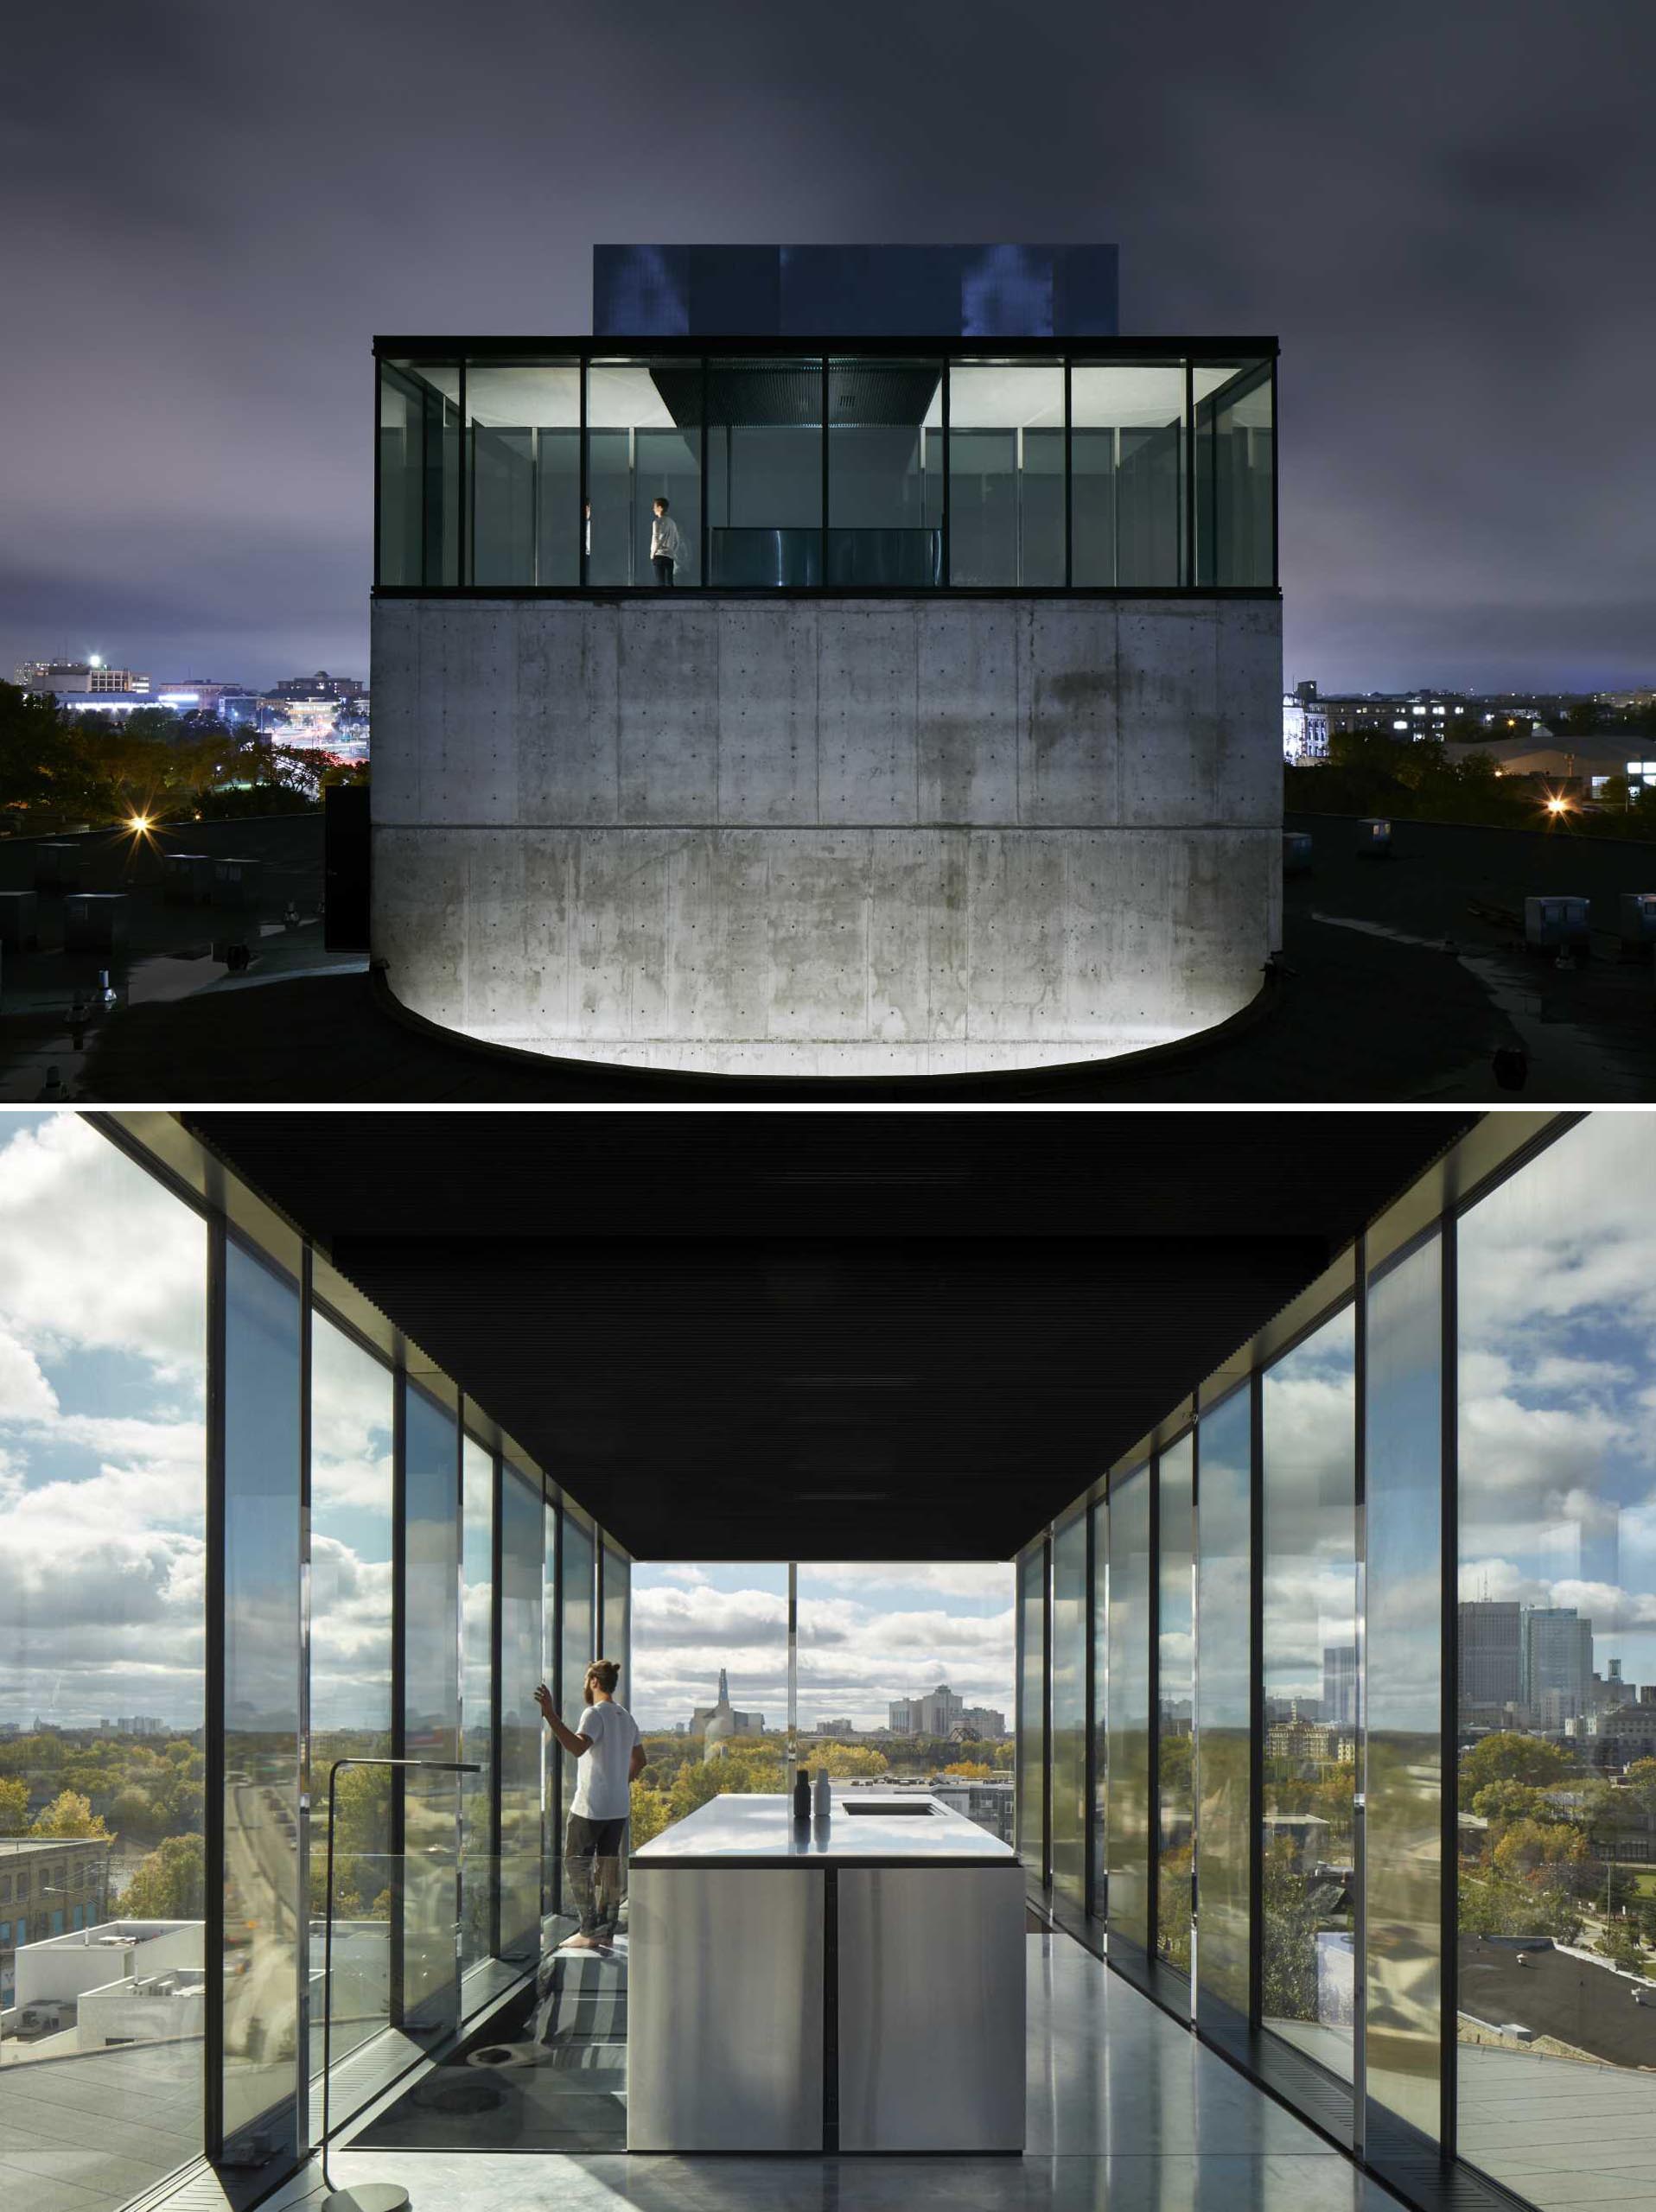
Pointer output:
592, 1852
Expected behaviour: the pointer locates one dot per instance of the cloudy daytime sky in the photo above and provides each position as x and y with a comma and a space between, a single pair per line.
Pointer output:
1441, 212
867, 1635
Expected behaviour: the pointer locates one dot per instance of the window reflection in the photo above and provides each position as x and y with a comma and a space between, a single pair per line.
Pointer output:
1006, 474
764, 471
1098, 1598
1308, 1538
1175, 1706
261, 1537
476, 1690
1130, 1569
103, 1341
1235, 473
1224, 1679
350, 1550
1557, 1688
522, 1536
885, 473
576, 1571
523, 460
430, 1901
1032, 1710
1127, 473
1069, 1711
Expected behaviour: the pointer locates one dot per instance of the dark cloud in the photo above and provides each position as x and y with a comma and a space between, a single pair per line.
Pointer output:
1444, 214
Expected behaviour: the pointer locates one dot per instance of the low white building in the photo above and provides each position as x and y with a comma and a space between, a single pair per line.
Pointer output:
126, 1981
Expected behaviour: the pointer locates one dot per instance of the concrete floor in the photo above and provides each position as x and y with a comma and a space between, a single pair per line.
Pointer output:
1125, 2109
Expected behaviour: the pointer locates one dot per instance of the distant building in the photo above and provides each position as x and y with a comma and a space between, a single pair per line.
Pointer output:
713, 1725
81, 679
320, 686
197, 694
1312, 1742
123, 1981
939, 1712
1555, 1664
1305, 727
1490, 1684
984, 1721
49, 1887
840, 1727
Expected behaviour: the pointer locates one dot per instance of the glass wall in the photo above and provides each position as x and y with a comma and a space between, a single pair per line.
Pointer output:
552, 1662
522, 1534
1032, 1711
616, 1632
1131, 1605
523, 448
840, 472
1224, 1711
1175, 1703
1236, 473
1557, 1729
263, 1944
1006, 474
1307, 1538
1127, 464
1403, 1690
578, 1632
1069, 1619
764, 471
351, 1547
885, 473
476, 1698
429, 1897
643, 444
102, 1628
419, 522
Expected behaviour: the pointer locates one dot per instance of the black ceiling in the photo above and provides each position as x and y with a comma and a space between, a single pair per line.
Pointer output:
852, 1335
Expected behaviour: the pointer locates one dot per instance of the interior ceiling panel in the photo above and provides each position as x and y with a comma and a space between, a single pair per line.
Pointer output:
860, 1335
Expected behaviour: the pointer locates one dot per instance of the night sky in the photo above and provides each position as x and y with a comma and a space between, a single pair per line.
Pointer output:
1445, 213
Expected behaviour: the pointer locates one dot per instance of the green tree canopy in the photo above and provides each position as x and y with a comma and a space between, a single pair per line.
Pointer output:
170, 1883
13, 1806
1509, 1757
70, 1814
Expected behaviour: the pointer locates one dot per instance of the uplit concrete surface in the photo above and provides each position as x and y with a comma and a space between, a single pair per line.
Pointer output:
1126, 2110
827, 837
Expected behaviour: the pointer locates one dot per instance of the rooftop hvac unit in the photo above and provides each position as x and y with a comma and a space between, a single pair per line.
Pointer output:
235, 881
1555, 922
95, 921
186, 878
1373, 837
20, 920
57, 868
1635, 918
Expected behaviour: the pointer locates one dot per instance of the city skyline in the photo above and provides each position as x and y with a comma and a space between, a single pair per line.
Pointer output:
1444, 268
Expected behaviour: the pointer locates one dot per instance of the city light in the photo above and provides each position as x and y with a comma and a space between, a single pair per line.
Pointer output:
140, 822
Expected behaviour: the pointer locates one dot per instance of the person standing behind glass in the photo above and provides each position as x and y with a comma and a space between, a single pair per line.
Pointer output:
666, 543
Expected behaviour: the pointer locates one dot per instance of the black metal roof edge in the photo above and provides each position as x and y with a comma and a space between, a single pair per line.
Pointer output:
452, 346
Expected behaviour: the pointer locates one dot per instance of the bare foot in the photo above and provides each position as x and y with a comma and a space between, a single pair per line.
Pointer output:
579, 1943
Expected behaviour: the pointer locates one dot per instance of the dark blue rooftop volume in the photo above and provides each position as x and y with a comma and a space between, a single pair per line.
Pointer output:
854, 291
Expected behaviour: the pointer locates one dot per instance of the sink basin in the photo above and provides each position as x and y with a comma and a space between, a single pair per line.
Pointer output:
850, 1805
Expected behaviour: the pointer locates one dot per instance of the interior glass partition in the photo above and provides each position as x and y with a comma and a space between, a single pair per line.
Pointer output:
103, 1416
418, 472
476, 1698
577, 1649
523, 446
352, 1487
1032, 1712
765, 471
1175, 1645
1069, 1823
885, 473
1403, 1692
644, 444
1006, 474
1132, 1609
1127, 462
1224, 1713
615, 1631
522, 1570
1308, 1537
430, 1898
1235, 489
263, 1950
1556, 1728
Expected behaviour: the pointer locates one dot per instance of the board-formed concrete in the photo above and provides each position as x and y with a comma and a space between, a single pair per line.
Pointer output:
827, 837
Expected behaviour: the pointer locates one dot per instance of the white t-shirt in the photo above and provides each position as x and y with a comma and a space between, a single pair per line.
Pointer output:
603, 1785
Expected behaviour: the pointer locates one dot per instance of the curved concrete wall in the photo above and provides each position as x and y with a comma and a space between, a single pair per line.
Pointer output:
836, 836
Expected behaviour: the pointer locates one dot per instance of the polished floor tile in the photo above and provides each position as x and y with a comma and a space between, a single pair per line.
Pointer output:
1127, 2113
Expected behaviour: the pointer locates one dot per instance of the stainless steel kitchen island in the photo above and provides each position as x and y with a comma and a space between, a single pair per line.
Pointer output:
842, 1986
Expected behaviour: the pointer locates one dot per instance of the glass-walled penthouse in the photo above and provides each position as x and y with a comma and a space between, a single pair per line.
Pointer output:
1337, 1722
522, 465
247, 1531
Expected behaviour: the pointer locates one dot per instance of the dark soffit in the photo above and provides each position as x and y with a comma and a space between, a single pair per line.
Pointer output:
860, 1335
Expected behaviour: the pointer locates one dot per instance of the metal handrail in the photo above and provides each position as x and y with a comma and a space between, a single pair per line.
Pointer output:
434, 1766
